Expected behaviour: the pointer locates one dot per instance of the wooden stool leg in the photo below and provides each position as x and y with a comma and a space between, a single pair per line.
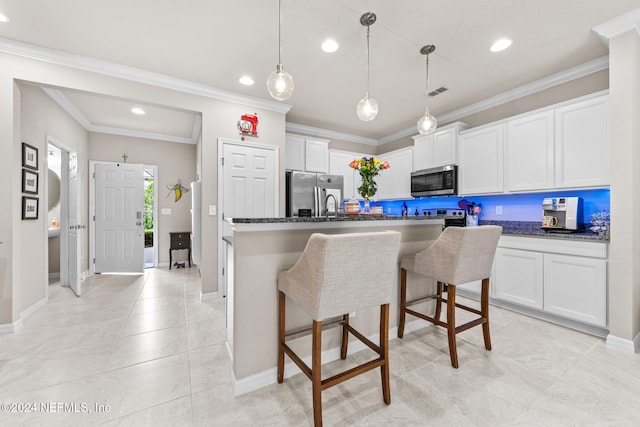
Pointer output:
438, 301
484, 310
451, 324
316, 380
345, 336
403, 301
384, 352
281, 332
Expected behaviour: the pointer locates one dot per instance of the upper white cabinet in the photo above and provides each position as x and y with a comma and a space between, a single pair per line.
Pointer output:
481, 165
582, 143
529, 150
306, 154
437, 149
395, 182
339, 165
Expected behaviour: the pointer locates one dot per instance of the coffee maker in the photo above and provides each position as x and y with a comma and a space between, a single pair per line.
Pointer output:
562, 214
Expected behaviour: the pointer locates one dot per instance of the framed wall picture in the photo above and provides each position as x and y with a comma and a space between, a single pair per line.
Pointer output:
29, 156
29, 207
29, 181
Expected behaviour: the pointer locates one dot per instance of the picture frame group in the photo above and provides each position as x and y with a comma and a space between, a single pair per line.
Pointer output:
30, 181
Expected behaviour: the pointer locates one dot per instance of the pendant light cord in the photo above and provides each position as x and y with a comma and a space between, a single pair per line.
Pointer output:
368, 27
427, 76
279, 31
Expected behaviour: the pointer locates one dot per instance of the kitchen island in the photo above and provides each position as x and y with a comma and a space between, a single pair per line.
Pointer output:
259, 249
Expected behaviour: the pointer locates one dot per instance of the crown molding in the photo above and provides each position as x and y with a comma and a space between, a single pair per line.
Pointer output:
38, 53
630, 21
324, 133
73, 111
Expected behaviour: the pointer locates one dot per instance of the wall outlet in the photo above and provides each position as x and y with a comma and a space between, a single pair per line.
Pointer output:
499, 210
352, 315
165, 211
212, 210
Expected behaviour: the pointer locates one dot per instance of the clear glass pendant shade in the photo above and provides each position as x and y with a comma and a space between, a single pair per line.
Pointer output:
427, 123
280, 84
367, 108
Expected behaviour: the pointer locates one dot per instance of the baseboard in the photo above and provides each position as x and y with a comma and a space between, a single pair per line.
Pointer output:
632, 346
10, 328
208, 296
270, 376
27, 312
54, 275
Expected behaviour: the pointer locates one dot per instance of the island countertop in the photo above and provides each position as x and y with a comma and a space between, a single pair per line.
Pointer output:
342, 221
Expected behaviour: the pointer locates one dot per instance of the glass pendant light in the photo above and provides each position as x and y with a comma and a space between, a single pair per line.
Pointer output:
367, 108
427, 123
280, 83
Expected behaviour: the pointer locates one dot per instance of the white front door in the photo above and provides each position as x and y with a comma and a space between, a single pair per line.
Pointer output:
119, 224
74, 238
249, 182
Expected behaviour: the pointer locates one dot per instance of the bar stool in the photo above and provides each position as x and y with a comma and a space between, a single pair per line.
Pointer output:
335, 275
460, 255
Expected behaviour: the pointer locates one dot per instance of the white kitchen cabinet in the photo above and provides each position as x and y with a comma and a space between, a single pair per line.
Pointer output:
317, 155
294, 153
481, 162
395, 182
518, 277
529, 152
560, 277
582, 143
306, 154
575, 287
339, 165
439, 148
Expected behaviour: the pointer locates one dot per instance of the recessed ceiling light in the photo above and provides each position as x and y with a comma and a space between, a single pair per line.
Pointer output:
246, 80
330, 45
500, 44
139, 111
3, 18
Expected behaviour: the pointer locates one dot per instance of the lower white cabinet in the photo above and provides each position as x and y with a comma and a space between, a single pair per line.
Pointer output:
563, 277
518, 277
575, 287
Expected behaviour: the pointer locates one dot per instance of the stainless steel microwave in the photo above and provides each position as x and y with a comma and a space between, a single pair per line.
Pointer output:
440, 181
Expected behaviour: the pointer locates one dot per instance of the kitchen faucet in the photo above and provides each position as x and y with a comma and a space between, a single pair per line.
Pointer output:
326, 205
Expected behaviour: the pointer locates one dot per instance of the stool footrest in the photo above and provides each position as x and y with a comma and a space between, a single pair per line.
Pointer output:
471, 324
343, 376
297, 333
425, 317
419, 300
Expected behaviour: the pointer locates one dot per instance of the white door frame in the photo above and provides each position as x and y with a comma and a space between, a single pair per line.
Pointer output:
205, 209
64, 212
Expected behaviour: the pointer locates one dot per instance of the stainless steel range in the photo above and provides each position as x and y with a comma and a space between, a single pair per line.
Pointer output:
453, 217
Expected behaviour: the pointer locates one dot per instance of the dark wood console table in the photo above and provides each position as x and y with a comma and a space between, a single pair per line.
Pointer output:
178, 241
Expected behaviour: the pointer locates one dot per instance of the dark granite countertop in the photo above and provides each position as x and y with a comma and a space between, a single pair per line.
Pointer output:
532, 229
340, 218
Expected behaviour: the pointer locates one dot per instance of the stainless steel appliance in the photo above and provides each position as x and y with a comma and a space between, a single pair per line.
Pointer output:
562, 214
438, 181
313, 194
452, 217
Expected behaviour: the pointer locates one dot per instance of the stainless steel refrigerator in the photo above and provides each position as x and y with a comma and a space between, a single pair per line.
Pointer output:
313, 194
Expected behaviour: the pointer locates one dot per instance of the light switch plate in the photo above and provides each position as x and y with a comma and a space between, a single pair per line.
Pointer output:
166, 211
498, 210
212, 210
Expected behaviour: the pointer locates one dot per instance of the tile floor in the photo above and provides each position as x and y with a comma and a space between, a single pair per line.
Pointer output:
150, 350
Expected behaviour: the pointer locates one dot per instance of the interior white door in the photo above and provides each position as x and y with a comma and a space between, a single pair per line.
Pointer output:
119, 225
74, 236
249, 182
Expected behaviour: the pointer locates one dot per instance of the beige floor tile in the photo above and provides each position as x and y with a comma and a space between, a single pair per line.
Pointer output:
133, 349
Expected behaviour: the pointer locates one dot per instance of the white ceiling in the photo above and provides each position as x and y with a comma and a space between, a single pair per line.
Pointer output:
214, 42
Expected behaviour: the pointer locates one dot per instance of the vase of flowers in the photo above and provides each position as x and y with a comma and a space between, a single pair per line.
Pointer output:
369, 168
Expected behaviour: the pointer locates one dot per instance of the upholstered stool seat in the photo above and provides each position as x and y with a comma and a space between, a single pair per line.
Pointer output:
460, 255
336, 275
